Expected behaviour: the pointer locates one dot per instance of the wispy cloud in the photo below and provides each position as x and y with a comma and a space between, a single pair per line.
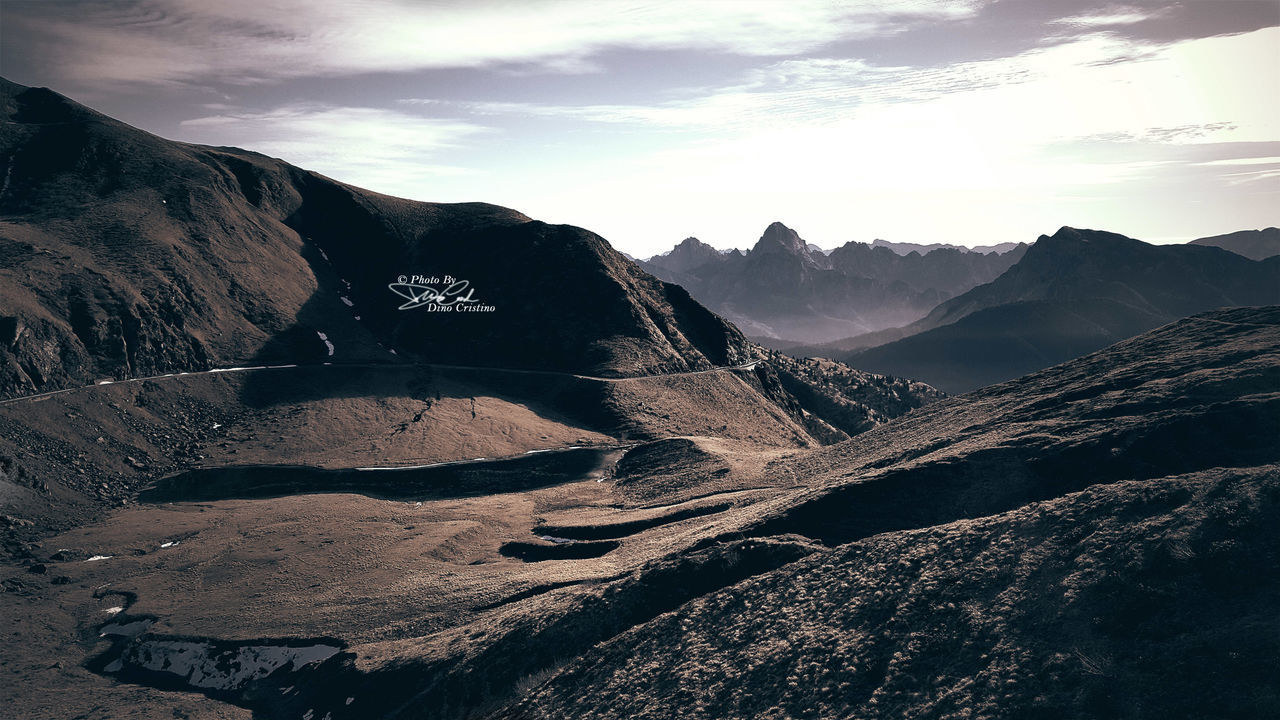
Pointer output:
246, 41
370, 147
1190, 92
904, 117
1000, 144
1245, 161
1112, 15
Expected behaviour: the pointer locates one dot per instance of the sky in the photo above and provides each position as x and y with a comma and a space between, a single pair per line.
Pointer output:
966, 121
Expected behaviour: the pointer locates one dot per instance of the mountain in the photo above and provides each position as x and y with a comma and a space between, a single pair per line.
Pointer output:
904, 248
1093, 540
273, 296
1253, 244
604, 503
1072, 293
784, 289
199, 333
689, 254
127, 255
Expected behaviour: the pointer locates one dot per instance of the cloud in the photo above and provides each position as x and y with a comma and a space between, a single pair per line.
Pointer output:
994, 150
1251, 176
1245, 161
1112, 16
248, 41
1193, 92
904, 117
369, 147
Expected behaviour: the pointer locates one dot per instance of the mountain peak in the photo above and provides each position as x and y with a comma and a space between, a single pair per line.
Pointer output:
1077, 242
690, 253
1091, 237
780, 238
691, 243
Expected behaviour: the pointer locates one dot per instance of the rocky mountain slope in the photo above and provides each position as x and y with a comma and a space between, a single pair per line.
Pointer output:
1072, 293
132, 259
1089, 541
129, 255
785, 290
634, 514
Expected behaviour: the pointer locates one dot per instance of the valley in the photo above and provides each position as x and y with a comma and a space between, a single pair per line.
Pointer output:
242, 475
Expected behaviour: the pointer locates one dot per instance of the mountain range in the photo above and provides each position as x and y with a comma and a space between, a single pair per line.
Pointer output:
1096, 539
906, 248
127, 257
1253, 244
248, 467
1072, 293
783, 291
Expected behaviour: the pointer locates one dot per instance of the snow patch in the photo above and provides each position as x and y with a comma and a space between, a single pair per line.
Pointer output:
114, 610
8, 174
202, 665
346, 300
327, 343
96, 558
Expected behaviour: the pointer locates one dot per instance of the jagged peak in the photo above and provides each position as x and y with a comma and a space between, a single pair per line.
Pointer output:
779, 237
691, 242
690, 249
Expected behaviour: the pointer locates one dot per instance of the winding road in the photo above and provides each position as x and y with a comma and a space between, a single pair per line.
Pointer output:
255, 368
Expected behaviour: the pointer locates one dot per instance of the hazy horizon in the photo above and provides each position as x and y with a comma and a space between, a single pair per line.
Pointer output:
970, 123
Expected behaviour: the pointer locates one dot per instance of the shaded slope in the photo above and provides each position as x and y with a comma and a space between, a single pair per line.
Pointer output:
1090, 541
1136, 600
126, 254
1072, 293
129, 256
1094, 540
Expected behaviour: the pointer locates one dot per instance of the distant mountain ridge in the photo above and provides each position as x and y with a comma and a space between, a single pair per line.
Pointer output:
1253, 244
1072, 293
786, 289
906, 248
